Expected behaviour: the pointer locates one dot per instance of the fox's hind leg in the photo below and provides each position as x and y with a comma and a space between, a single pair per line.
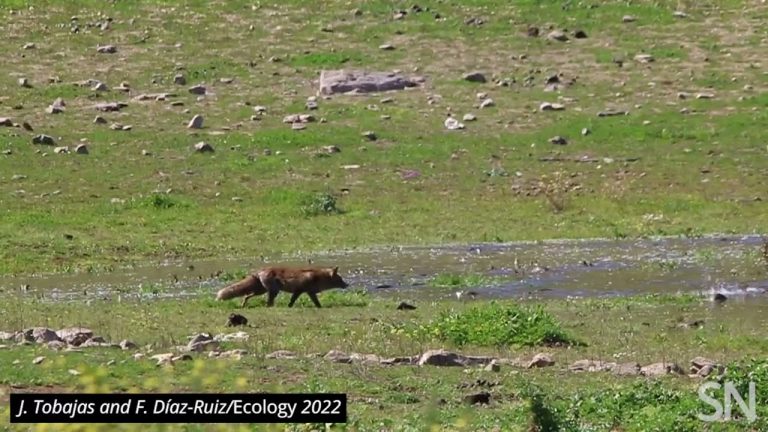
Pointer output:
273, 287
313, 296
293, 298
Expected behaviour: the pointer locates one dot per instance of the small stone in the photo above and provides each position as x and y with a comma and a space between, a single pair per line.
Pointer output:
483, 398
628, 19
311, 105
679, 14
43, 140
540, 360
547, 106
386, 47
235, 320
493, 366
126, 345
99, 120
659, 369
226, 80
644, 58
612, 113
331, 149
203, 147
99, 86
106, 49
476, 77
440, 358
451, 123
705, 96
110, 106
260, 109
532, 31
405, 306
298, 126
23, 82
196, 122
146, 153
61, 150
29, 46
337, 357
369, 135
5, 121
469, 117
54, 109
38, 360
179, 79
487, 103
197, 89
585, 131
281, 354
557, 35
580, 34
558, 140
73, 372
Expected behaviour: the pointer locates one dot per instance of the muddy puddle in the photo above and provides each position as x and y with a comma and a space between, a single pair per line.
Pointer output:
731, 265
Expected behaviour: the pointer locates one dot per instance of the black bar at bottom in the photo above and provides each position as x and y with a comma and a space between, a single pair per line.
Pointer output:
178, 408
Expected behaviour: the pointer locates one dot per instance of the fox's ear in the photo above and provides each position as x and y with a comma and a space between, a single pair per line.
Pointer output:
335, 271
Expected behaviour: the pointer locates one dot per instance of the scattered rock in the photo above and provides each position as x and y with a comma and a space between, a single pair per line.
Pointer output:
38, 360
43, 140
161, 358
440, 358
591, 366
659, 369
126, 345
547, 106
369, 135
23, 82
5, 121
405, 306
202, 342
106, 49
179, 79
644, 58
493, 366
235, 320
476, 77
628, 19
345, 81
99, 120
337, 357
557, 35
624, 369
81, 149
196, 122
469, 117
487, 103
7, 336
311, 104
61, 150
399, 360
580, 34
540, 360
197, 89
679, 14
451, 123
719, 298
612, 113
532, 31
299, 118
110, 106
386, 47
203, 147
282, 354
478, 398
558, 140
54, 109
703, 367
56, 345
74, 335
705, 95
29, 46
99, 86
235, 354
240, 336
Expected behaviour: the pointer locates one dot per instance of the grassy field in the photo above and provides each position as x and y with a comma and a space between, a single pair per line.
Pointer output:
688, 158
698, 172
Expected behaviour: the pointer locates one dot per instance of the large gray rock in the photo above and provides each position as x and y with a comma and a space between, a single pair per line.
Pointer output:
74, 335
345, 81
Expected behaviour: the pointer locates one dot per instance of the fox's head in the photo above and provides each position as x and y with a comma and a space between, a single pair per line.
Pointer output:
336, 281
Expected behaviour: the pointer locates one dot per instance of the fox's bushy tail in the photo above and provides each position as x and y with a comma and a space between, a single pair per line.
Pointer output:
251, 284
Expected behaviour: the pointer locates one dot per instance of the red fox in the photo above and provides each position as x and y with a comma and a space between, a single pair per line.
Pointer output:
272, 280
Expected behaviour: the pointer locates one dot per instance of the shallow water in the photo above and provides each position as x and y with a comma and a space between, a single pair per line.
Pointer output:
731, 265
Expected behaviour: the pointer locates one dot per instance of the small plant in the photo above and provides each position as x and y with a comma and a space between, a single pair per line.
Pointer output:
321, 203
494, 324
160, 201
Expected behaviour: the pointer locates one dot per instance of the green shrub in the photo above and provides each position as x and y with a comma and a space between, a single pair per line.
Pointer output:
320, 204
494, 324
